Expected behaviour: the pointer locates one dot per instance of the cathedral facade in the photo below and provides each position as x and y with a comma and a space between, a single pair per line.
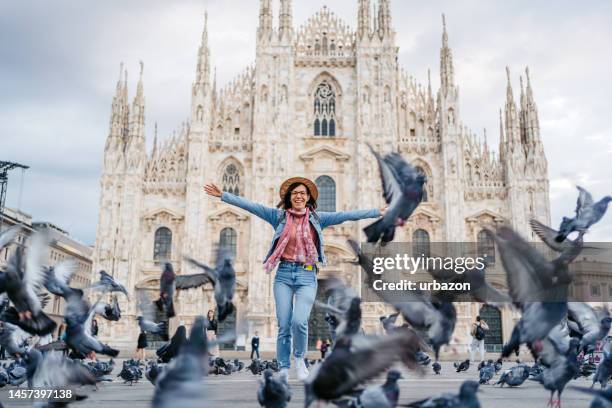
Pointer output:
308, 105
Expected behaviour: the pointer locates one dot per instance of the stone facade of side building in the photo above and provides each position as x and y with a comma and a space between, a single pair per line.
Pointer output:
62, 247
308, 105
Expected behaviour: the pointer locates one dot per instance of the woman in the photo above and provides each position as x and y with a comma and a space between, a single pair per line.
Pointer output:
141, 346
297, 247
211, 331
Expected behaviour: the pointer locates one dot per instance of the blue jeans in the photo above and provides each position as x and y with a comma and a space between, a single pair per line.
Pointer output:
292, 280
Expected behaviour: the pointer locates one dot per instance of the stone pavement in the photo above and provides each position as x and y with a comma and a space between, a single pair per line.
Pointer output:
239, 390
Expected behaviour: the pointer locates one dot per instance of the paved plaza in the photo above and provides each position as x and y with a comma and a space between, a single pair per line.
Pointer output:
239, 390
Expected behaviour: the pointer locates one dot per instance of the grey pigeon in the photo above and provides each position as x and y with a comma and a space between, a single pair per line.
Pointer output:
180, 384
54, 371
486, 373
593, 325
23, 279
604, 369
274, 392
514, 376
465, 399
436, 367
462, 365
147, 315
109, 311
153, 371
382, 396
58, 277
356, 359
108, 284
433, 318
223, 277
537, 286
344, 305
587, 214
402, 190
78, 316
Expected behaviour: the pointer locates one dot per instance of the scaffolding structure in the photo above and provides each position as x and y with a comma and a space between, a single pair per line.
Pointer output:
5, 167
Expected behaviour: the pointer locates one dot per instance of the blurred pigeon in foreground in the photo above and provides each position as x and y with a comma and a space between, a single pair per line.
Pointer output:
274, 392
58, 277
402, 190
344, 305
13, 339
537, 286
180, 384
603, 398
388, 322
433, 318
604, 369
224, 281
357, 359
465, 399
587, 214
514, 376
108, 284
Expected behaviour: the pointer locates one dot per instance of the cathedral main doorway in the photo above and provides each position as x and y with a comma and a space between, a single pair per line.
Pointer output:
493, 336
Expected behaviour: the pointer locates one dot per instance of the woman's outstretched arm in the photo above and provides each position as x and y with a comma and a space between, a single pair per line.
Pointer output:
268, 214
338, 217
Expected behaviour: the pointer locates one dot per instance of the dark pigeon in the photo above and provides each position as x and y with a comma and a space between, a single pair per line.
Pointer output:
462, 366
223, 277
402, 190
170, 282
180, 384
171, 349
108, 284
436, 367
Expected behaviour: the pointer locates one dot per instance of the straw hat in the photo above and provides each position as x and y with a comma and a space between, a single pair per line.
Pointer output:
312, 187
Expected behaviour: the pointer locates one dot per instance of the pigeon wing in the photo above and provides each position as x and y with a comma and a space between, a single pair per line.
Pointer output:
391, 188
192, 281
8, 235
585, 199
210, 272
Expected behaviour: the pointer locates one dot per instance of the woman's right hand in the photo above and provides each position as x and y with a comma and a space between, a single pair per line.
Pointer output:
212, 190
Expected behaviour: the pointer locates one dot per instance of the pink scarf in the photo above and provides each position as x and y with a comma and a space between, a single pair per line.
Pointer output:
305, 249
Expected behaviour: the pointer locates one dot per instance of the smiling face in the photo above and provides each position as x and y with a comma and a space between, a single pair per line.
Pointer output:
299, 197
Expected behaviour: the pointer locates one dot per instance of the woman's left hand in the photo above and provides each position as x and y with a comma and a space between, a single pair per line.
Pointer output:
383, 209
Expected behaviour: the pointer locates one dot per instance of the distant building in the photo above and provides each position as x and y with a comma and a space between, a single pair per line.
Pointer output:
62, 247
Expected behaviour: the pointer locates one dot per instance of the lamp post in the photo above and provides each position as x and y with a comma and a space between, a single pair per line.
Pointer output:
5, 166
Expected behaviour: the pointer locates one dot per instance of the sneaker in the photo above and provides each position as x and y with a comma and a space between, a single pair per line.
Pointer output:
301, 372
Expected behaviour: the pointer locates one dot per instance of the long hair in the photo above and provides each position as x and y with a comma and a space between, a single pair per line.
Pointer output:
286, 202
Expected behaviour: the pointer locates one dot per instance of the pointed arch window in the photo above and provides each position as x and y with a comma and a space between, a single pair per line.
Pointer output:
231, 179
162, 247
325, 110
420, 243
327, 193
228, 239
486, 246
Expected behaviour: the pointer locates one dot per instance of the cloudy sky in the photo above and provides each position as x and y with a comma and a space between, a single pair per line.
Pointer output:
59, 62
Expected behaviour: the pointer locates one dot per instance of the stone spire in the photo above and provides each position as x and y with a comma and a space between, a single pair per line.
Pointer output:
137, 117
502, 138
363, 19
447, 71
384, 19
118, 119
203, 68
264, 31
512, 121
285, 26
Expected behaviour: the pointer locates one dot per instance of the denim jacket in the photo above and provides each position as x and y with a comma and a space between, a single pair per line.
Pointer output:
319, 220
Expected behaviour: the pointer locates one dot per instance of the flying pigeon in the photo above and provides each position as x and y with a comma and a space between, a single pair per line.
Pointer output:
58, 277
587, 214
171, 349
592, 325
402, 190
13, 339
108, 284
147, 316
224, 281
